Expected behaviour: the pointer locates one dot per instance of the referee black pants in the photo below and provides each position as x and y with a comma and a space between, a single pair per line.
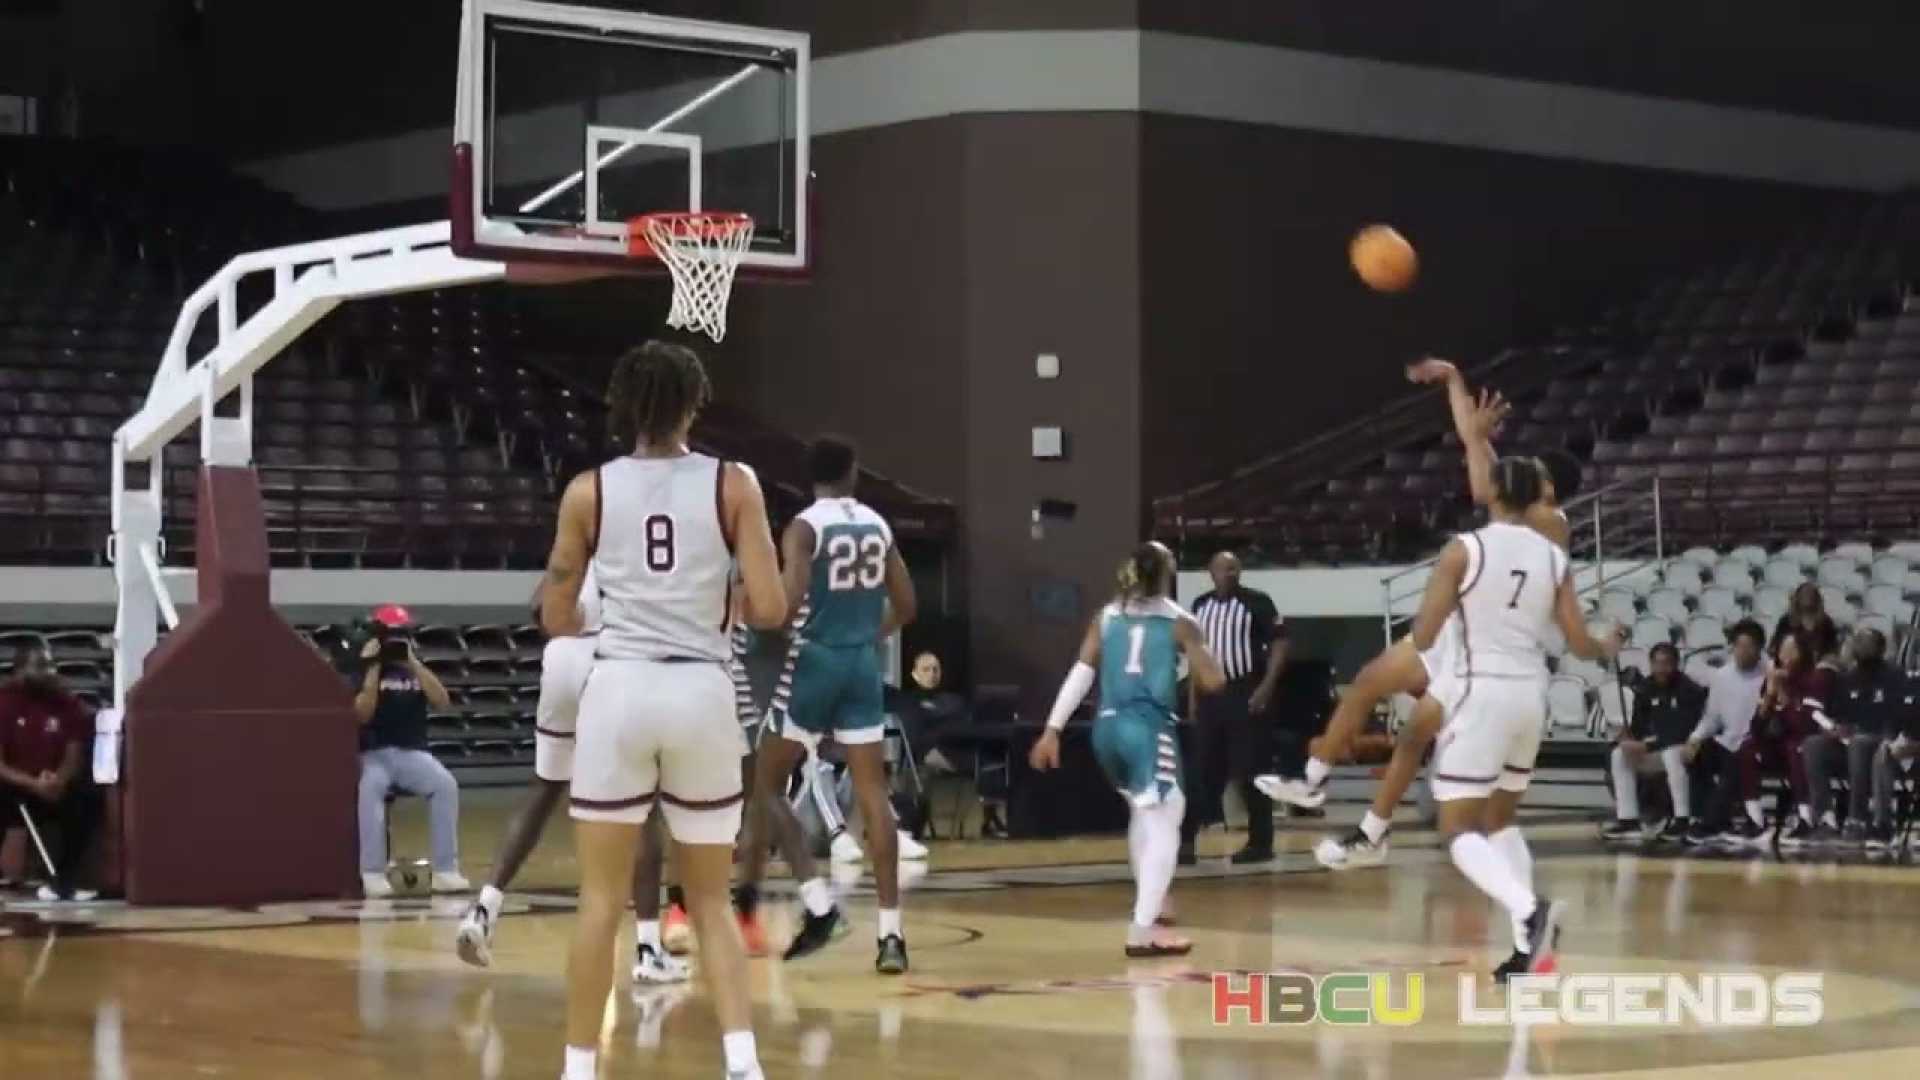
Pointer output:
1230, 744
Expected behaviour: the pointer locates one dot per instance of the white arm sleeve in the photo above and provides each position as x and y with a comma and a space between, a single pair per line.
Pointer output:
1072, 692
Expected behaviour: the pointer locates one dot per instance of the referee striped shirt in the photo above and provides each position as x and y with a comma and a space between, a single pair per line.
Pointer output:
1240, 626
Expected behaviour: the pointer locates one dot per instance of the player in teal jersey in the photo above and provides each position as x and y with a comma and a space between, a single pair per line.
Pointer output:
849, 590
1136, 643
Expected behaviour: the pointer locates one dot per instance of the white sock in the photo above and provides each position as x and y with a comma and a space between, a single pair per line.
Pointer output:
889, 923
647, 932
1160, 823
1511, 846
1317, 772
1136, 842
582, 1063
1830, 820
1477, 859
742, 1055
1374, 826
1806, 813
491, 899
816, 896
1758, 815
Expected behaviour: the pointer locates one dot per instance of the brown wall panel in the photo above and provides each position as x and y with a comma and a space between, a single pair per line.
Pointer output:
1257, 333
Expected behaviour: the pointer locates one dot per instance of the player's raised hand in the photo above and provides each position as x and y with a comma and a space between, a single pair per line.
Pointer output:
1490, 411
1045, 755
1431, 370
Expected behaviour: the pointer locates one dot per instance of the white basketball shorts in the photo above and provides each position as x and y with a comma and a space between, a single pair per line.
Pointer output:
661, 732
1492, 739
564, 668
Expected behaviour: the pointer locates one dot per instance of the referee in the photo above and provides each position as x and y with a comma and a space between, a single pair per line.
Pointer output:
1232, 736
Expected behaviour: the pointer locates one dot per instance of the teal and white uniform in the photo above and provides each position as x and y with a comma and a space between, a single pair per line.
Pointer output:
831, 686
1133, 736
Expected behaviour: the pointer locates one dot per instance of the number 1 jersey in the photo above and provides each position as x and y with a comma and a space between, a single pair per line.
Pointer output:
847, 595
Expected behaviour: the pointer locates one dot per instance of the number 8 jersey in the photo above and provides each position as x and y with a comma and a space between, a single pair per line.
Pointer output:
847, 596
662, 559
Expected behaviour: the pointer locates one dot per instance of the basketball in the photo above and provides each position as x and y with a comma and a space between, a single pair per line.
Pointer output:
1383, 258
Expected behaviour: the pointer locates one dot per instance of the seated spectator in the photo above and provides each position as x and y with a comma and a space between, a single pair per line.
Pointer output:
1665, 713
46, 755
395, 693
1894, 759
1808, 611
1733, 699
1798, 688
927, 712
1864, 710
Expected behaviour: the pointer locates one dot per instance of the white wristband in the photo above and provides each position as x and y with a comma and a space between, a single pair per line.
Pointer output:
1072, 692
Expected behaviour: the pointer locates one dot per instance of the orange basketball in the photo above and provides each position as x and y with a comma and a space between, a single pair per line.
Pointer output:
1383, 258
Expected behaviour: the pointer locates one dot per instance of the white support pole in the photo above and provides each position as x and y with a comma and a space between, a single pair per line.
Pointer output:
150, 559
309, 281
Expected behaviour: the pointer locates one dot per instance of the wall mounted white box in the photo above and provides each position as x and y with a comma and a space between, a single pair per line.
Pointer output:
1047, 366
1048, 443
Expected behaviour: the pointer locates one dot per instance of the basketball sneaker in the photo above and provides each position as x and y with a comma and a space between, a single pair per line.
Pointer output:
1157, 944
816, 933
892, 956
658, 966
1854, 833
1543, 935
1880, 838
1292, 790
1350, 852
676, 931
474, 940
47, 894
1620, 829
910, 849
845, 849
752, 936
1675, 831
376, 886
1797, 834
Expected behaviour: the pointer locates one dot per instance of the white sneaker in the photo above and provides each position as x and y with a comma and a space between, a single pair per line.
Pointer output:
659, 966
48, 895
450, 881
910, 849
845, 848
474, 942
1294, 791
376, 886
1350, 852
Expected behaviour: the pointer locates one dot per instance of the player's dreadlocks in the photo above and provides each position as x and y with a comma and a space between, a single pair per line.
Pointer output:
654, 388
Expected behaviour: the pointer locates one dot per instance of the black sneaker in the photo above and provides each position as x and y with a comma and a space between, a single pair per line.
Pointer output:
1745, 832
1186, 856
1853, 834
1824, 835
1702, 833
1675, 831
1543, 933
1797, 833
892, 958
1517, 964
1880, 838
1621, 829
746, 899
816, 933
1248, 856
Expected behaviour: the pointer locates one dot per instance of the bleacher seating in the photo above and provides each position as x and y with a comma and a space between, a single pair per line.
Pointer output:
424, 430
1775, 397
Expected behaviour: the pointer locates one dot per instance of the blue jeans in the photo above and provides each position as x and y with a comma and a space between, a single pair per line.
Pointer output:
413, 772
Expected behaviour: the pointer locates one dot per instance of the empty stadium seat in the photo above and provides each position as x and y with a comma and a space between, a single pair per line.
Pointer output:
1721, 602
1705, 632
1567, 710
1669, 604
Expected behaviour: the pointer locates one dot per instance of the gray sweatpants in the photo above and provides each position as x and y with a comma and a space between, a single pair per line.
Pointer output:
1671, 760
412, 772
1826, 755
1885, 770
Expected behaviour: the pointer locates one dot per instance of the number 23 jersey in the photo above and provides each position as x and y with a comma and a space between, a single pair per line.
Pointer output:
847, 594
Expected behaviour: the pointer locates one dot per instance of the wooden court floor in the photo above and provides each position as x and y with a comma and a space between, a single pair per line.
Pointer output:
1017, 973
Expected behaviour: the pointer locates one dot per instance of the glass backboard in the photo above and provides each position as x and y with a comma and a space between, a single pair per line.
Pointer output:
571, 121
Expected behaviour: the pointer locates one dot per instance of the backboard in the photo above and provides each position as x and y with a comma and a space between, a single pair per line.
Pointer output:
570, 121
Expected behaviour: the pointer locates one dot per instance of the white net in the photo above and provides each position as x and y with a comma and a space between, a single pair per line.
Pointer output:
702, 251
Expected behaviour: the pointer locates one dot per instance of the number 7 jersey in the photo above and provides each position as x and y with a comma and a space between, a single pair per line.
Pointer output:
1507, 601
847, 595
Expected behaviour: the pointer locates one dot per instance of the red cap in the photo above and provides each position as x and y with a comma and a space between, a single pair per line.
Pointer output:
393, 616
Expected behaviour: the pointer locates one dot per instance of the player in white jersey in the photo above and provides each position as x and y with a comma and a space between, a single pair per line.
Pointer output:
1508, 586
663, 530
1400, 669
565, 664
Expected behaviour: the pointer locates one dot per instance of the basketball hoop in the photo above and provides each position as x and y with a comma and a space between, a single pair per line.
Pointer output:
701, 250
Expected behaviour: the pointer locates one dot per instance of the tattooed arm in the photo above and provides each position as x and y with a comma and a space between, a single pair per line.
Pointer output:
573, 542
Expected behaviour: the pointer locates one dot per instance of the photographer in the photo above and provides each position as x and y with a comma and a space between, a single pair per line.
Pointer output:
46, 740
395, 693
